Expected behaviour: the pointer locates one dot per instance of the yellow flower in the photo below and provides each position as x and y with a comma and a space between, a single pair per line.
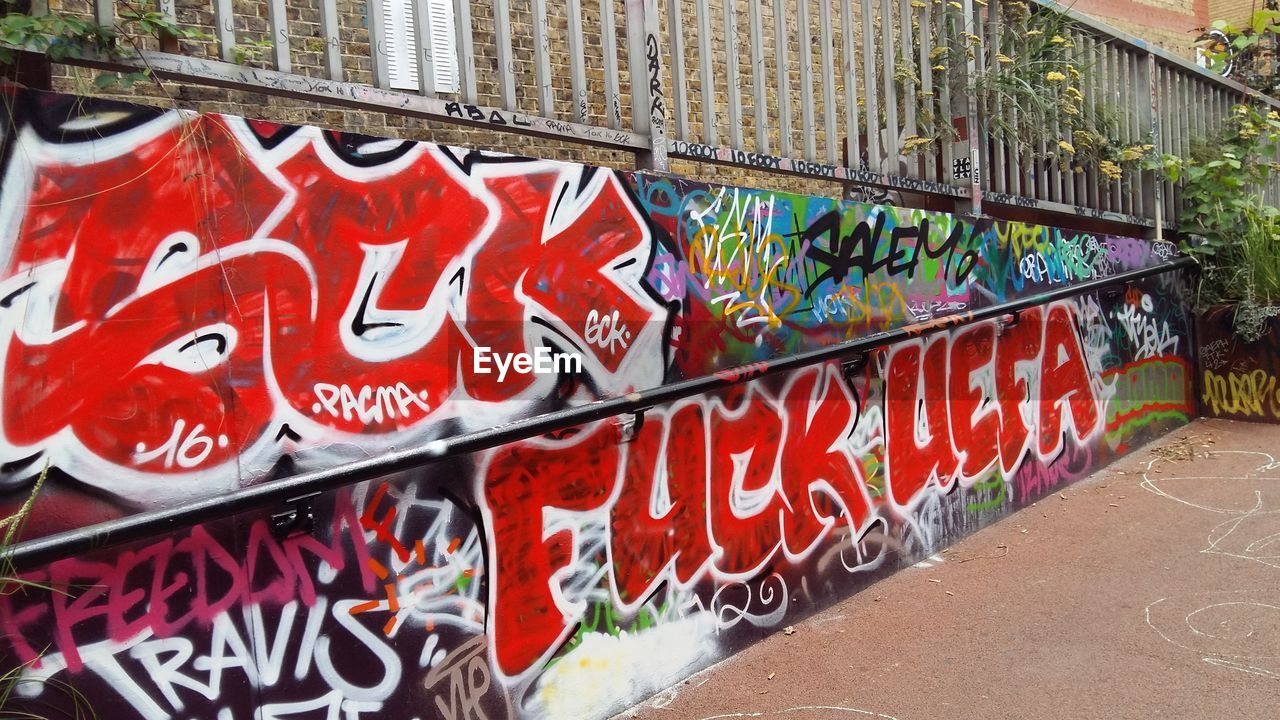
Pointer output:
1069, 109
917, 4
1072, 92
1057, 40
1075, 74
956, 5
1131, 153
1004, 59
939, 52
1111, 170
939, 68
1273, 115
911, 144
1066, 147
1054, 76
1033, 33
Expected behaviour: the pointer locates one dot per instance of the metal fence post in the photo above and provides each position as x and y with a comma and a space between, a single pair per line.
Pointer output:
378, 46
1151, 187
961, 40
648, 100
278, 20
169, 43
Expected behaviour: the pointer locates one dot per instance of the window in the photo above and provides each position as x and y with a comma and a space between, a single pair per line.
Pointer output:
399, 32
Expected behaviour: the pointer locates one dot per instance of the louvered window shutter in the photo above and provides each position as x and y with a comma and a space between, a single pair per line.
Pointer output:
402, 44
397, 29
443, 43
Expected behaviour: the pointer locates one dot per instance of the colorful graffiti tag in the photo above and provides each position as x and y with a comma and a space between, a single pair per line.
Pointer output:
1239, 377
192, 304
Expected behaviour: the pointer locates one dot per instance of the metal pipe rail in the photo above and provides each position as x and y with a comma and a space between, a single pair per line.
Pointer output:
844, 90
293, 490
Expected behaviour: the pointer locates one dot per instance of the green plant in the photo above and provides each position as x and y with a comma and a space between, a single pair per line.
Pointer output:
1038, 84
250, 51
1034, 82
64, 36
1030, 85
1248, 52
1225, 222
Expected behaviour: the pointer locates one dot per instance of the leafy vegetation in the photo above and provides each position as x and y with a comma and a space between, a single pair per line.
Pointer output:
1231, 229
251, 51
1246, 53
64, 36
1224, 220
1034, 80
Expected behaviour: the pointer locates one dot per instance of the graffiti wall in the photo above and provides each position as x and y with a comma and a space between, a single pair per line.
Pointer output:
194, 304
1239, 379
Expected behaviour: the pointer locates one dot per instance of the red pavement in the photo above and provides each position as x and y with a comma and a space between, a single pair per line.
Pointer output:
1150, 590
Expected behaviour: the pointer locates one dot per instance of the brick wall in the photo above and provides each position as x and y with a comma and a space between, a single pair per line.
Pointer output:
1233, 11
1170, 24
1175, 41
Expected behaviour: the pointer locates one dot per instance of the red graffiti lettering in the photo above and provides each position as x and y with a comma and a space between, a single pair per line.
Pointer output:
917, 420
815, 474
645, 536
975, 421
707, 487
297, 287
1019, 345
955, 434
523, 558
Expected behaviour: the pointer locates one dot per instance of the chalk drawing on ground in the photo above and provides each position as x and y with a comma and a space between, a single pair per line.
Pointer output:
830, 710
1251, 528
1235, 629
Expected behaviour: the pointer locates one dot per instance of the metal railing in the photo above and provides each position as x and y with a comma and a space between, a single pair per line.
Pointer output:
833, 89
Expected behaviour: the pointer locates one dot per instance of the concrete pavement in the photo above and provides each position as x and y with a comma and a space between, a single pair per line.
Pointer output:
1149, 590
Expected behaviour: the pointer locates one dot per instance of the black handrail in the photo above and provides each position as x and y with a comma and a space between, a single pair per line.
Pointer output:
40, 551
